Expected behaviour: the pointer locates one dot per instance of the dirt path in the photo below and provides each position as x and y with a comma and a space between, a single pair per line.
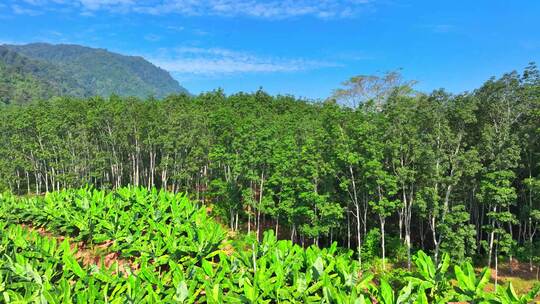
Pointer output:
97, 254
522, 278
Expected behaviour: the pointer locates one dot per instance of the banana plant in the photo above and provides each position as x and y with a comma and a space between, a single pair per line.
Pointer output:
509, 296
384, 293
470, 287
430, 279
179, 255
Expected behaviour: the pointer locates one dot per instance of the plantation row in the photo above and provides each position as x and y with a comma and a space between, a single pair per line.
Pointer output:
146, 246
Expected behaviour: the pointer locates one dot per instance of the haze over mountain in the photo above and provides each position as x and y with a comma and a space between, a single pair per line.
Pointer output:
41, 70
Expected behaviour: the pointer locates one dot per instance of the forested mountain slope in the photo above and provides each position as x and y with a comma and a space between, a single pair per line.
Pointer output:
40, 70
23, 79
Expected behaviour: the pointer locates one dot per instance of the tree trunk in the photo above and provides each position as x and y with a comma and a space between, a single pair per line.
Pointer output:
531, 253
383, 221
260, 204
348, 228
18, 182
491, 238
435, 241
277, 226
359, 237
400, 224
258, 223
249, 219
27, 181
496, 264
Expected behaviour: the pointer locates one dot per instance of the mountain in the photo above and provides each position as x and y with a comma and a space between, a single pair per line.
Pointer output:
41, 70
23, 79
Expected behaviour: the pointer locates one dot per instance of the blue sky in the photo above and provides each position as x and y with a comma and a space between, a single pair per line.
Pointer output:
303, 47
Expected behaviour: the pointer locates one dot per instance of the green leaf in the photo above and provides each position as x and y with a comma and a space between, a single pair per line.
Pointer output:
318, 266
70, 262
207, 266
421, 297
387, 295
445, 263
484, 279
463, 281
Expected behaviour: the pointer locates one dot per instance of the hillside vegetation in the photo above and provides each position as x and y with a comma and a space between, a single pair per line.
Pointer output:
40, 71
23, 79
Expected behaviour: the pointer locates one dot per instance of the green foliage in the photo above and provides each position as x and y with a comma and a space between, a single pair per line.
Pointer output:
432, 281
439, 172
17, 84
39, 71
397, 249
371, 247
172, 252
458, 235
471, 287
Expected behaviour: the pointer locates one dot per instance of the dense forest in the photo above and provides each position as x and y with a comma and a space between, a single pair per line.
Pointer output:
41, 71
378, 162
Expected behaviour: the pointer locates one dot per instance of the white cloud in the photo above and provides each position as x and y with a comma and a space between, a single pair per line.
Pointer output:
216, 61
7, 41
20, 10
257, 8
439, 28
175, 28
105, 4
152, 37
267, 9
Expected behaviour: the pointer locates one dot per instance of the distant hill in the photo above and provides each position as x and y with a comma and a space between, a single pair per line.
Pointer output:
40, 70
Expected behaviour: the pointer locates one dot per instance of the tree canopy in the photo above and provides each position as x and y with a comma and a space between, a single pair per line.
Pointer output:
441, 172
